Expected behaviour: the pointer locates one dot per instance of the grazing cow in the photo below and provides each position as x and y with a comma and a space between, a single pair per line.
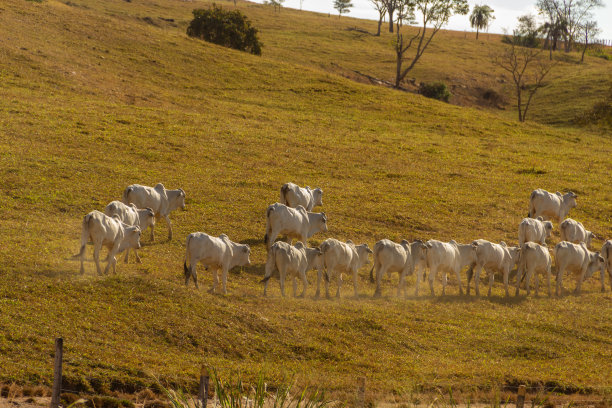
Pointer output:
576, 258
492, 258
606, 254
292, 261
157, 198
215, 253
338, 257
548, 205
392, 257
294, 222
534, 230
573, 231
293, 195
130, 215
533, 259
441, 257
110, 232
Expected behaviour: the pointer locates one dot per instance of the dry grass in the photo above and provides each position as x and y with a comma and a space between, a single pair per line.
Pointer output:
95, 98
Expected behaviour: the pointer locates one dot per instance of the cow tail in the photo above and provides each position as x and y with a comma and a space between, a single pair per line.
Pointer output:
531, 213
187, 269
268, 212
126, 195
270, 265
84, 235
372, 273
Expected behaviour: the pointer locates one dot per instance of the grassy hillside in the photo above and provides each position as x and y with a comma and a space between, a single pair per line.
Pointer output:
94, 97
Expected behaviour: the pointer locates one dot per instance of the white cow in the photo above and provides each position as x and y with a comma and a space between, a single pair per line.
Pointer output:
441, 257
293, 195
339, 257
293, 222
157, 198
130, 215
534, 230
110, 232
492, 258
293, 261
606, 254
533, 259
216, 253
576, 258
391, 257
548, 205
574, 231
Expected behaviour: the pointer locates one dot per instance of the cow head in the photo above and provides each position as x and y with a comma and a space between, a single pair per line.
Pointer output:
596, 263
317, 196
322, 222
548, 227
131, 237
363, 253
569, 199
181, 198
241, 255
589, 238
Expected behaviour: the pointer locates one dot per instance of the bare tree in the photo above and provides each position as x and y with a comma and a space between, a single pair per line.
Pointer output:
588, 32
433, 15
381, 7
528, 71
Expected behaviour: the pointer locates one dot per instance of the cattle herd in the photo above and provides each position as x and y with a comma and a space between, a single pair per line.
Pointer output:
120, 226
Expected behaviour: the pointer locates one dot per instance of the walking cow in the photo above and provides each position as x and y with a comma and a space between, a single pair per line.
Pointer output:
548, 205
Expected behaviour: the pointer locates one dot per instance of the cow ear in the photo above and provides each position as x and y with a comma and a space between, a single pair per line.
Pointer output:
369, 250
539, 218
133, 206
502, 243
182, 192
559, 194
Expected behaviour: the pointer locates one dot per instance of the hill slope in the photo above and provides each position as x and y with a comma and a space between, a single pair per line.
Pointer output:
95, 97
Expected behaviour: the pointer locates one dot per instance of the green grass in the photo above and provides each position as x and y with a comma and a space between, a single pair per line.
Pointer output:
94, 98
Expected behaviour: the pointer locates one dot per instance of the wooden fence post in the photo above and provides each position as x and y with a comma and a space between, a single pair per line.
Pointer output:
361, 388
203, 392
57, 373
520, 396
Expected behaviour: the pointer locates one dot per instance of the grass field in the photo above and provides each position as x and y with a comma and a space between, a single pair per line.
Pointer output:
94, 97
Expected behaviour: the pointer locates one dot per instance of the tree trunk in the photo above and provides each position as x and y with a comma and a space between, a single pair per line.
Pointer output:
586, 44
390, 21
379, 25
518, 103
476, 32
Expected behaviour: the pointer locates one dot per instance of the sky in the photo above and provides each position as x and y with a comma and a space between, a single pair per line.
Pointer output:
506, 13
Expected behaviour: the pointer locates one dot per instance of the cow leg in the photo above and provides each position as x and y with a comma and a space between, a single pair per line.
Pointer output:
339, 285
491, 280
458, 273
530, 273
294, 285
304, 284
215, 279
167, 217
97, 248
580, 279
271, 238
127, 253
505, 277
380, 272
432, 275
281, 277
477, 273
225, 271
444, 282
610, 276
153, 229
559, 280
537, 283
419, 274
318, 292
548, 273
402, 283
519, 275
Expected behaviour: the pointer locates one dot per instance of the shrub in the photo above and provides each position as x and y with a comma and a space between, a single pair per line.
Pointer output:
435, 90
600, 114
229, 28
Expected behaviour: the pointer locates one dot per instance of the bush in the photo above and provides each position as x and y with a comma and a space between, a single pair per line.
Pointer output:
600, 114
228, 28
528, 40
435, 90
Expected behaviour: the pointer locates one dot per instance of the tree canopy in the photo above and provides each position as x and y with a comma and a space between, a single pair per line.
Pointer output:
481, 17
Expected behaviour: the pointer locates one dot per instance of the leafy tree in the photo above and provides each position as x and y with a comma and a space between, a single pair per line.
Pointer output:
391, 6
481, 17
278, 4
381, 7
526, 34
528, 71
229, 28
574, 14
432, 15
343, 6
